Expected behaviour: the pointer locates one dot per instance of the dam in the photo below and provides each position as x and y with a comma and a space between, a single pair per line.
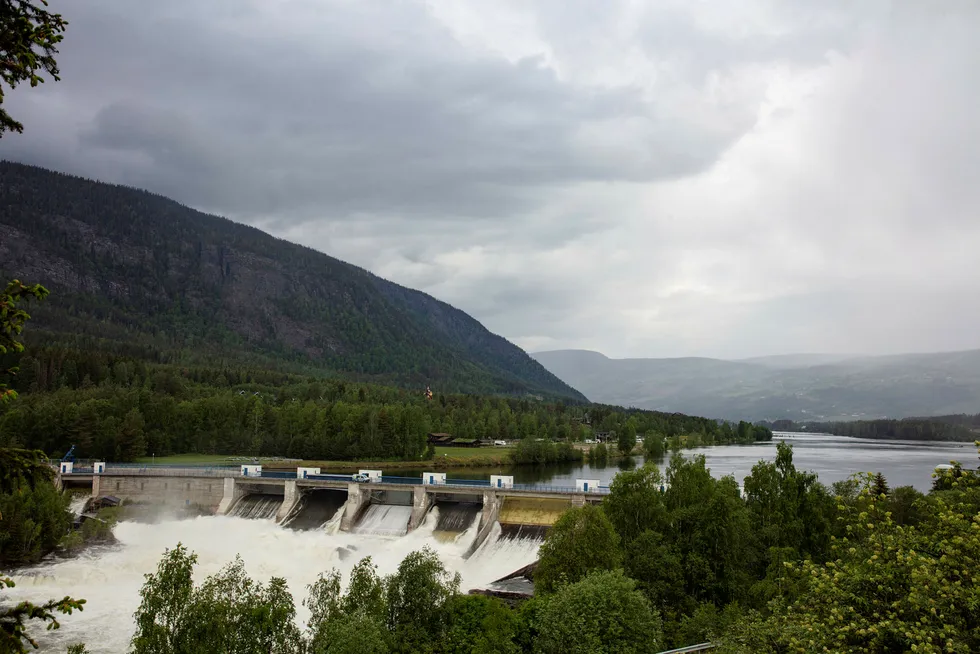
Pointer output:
294, 524
368, 503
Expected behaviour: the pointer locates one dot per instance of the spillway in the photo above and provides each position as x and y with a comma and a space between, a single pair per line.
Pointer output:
384, 520
256, 506
504, 550
78, 503
317, 509
454, 518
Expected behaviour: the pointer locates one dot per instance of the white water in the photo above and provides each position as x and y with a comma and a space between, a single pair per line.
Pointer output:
110, 578
257, 507
78, 503
384, 520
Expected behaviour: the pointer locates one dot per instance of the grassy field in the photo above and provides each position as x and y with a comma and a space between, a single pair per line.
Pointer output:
446, 457
469, 452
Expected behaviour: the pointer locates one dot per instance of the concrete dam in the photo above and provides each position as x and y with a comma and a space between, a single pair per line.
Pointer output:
368, 503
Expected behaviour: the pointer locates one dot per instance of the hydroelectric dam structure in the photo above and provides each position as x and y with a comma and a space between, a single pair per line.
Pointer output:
366, 502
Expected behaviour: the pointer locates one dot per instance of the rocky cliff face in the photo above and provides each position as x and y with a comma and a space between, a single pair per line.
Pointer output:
127, 265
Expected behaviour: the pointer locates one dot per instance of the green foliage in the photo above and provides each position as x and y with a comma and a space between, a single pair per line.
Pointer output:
599, 454
14, 619
33, 516
417, 595
653, 446
636, 502
539, 450
33, 521
581, 540
887, 588
601, 613
626, 438
416, 609
479, 625
789, 508
12, 317
29, 35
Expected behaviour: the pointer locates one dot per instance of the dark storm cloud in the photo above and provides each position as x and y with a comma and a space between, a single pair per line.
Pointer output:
642, 178
338, 120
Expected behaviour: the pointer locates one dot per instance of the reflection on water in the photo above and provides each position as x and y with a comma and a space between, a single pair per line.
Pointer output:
904, 463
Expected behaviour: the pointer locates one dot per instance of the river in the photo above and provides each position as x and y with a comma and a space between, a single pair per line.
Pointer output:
110, 577
904, 463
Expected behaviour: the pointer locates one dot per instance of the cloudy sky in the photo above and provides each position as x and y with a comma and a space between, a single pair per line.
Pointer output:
684, 177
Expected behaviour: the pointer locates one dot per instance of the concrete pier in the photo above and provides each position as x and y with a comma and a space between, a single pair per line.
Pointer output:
421, 503
358, 498
290, 500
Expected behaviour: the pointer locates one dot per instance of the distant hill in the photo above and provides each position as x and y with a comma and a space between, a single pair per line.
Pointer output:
806, 387
130, 268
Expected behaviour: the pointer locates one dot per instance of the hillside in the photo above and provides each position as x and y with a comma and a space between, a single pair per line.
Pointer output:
128, 268
794, 387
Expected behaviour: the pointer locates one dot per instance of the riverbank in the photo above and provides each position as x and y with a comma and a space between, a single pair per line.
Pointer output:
446, 457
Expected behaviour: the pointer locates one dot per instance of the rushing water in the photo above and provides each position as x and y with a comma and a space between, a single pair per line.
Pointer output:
110, 578
78, 503
256, 506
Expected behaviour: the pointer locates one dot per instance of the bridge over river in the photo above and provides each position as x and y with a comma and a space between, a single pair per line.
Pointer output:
401, 503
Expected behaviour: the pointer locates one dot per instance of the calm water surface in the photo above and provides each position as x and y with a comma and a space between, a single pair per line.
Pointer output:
904, 463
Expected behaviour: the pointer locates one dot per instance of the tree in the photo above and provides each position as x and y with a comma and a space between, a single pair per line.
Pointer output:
889, 588
601, 613
581, 540
635, 502
229, 612
12, 317
28, 36
22, 474
417, 595
161, 616
626, 439
479, 625
352, 623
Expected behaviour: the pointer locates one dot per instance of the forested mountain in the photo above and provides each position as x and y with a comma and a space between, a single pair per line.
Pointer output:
134, 272
792, 387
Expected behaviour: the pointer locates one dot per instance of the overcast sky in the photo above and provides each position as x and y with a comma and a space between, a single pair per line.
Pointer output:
716, 177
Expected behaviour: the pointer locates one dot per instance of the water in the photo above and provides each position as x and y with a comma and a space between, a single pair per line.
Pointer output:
904, 463
454, 518
110, 578
317, 508
78, 503
255, 506
384, 520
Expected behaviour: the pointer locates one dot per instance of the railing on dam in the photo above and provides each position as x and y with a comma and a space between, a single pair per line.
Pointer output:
169, 470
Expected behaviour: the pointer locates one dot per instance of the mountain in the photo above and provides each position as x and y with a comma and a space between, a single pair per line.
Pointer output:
796, 387
127, 268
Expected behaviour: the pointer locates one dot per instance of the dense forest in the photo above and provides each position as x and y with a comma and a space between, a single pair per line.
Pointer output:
119, 408
962, 428
129, 270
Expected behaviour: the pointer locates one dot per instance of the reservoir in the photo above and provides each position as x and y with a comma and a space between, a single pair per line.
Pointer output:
110, 577
833, 458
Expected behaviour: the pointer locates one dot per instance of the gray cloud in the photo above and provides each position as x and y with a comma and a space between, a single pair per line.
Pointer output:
646, 179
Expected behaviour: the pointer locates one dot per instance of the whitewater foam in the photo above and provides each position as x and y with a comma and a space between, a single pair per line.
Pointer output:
110, 578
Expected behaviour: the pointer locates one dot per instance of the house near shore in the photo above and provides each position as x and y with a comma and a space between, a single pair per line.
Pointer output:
448, 440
